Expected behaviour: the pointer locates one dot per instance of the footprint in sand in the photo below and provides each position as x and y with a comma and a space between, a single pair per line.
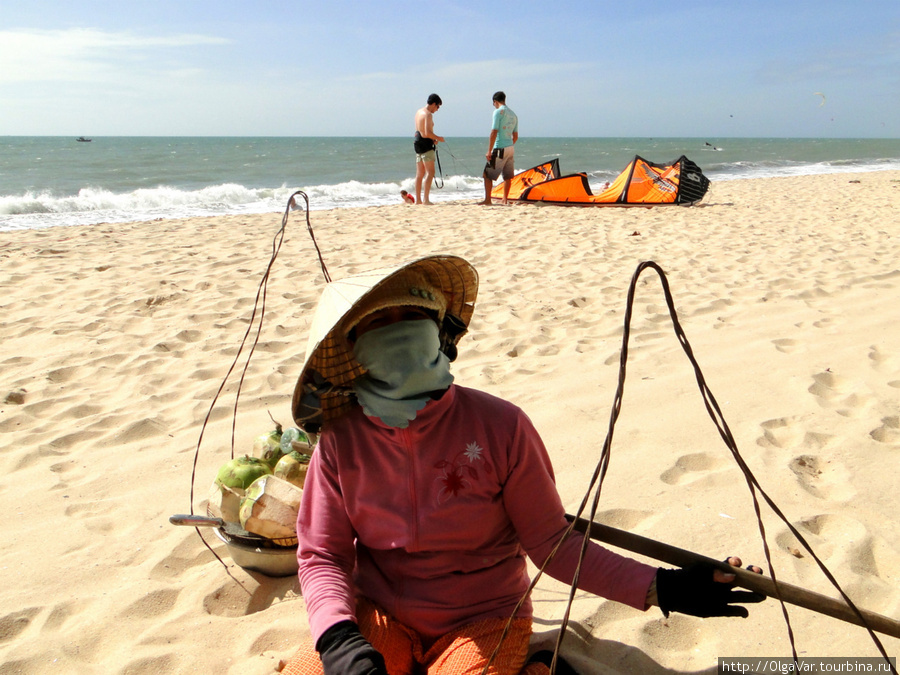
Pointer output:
881, 361
786, 345
37, 457
142, 430
94, 516
272, 640
624, 519
788, 432
154, 604
843, 541
822, 478
839, 393
190, 335
649, 336
63, 375
825, 533
714, 306
580, 302
61, 613
13, 624
678, 633
695, 467
783, 432
888, 432
79, 411
186, 555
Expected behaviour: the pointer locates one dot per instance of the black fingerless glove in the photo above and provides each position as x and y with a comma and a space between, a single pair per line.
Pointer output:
344, 651
693, 591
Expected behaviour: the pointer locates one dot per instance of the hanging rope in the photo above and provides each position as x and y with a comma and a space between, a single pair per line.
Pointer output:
259, 305
456, 163
293, 204
715, 413
439, 176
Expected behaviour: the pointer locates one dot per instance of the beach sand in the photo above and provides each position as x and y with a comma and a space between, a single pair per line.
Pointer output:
115, 339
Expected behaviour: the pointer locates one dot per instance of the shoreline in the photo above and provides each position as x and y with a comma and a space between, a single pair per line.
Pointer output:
851, 176
62, 200
117, 336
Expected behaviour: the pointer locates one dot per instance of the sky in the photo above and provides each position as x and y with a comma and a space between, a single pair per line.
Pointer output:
766, 68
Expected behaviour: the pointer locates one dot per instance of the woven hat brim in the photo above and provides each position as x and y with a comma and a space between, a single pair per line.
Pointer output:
330, 367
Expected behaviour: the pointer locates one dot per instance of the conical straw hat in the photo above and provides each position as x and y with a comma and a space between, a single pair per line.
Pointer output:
446, 285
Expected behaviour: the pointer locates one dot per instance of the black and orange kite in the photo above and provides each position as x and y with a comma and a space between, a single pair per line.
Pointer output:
642, 183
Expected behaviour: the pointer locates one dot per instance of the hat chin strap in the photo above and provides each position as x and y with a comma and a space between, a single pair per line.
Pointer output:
452, 329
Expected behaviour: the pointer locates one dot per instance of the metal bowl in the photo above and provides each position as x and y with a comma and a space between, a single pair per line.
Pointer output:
279, 561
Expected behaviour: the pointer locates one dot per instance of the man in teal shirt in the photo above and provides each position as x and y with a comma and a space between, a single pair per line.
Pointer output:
501, 148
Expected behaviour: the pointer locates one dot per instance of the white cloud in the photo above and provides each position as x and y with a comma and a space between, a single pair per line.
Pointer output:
80, 54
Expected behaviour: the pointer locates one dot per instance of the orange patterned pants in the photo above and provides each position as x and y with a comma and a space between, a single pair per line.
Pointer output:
462, 652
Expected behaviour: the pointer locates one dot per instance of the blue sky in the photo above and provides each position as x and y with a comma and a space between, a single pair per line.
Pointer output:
274, 68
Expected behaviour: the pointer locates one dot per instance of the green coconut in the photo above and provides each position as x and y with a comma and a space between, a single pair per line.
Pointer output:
240, 472
228, 488
290, 436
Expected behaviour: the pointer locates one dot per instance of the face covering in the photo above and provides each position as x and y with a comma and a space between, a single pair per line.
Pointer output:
404, 364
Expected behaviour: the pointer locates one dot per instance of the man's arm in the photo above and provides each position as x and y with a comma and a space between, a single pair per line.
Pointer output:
491, 141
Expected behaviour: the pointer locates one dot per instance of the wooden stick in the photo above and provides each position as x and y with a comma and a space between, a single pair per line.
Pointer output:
794, 595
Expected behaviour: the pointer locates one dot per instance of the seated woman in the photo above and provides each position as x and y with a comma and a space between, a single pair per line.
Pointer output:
423, 497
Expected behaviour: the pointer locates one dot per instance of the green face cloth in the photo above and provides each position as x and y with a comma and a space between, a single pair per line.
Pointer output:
404, 365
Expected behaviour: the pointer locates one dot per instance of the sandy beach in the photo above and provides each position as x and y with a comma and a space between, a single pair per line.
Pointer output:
116, 338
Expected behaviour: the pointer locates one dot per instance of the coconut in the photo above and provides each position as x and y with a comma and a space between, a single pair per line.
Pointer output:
233, 478
268, 446
240, 472
293, 466
225, 502
270, 508
290, 436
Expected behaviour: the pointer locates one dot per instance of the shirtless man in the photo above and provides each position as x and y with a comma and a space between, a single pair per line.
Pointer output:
424, 145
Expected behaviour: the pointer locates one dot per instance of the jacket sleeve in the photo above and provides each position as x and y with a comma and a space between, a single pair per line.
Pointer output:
539, 518
327, 551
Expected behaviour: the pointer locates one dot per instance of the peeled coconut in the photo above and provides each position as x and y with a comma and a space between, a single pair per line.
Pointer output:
225, 503
231, 481
270, 507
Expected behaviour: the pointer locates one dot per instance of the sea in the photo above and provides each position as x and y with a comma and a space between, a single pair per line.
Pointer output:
50, 181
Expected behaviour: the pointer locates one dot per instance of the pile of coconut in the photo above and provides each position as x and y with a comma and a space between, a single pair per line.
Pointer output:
261, 491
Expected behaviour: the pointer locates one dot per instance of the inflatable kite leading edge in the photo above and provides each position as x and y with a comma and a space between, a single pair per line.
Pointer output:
641, 183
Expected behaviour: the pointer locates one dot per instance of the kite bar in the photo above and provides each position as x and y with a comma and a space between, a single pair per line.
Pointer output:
745, 579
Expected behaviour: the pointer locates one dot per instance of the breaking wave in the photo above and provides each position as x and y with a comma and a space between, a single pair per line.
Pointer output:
97, 205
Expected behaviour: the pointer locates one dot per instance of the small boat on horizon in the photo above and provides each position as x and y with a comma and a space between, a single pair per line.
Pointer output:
82, 139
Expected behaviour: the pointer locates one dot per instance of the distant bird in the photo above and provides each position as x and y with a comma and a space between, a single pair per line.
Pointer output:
819, 93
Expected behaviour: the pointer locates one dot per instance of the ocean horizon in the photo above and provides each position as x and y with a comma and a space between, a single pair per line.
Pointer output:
48, 181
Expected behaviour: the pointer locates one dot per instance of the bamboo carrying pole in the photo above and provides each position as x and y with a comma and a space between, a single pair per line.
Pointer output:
745, 579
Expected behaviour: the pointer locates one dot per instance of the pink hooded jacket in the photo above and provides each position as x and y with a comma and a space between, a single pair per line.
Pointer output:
433, 522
